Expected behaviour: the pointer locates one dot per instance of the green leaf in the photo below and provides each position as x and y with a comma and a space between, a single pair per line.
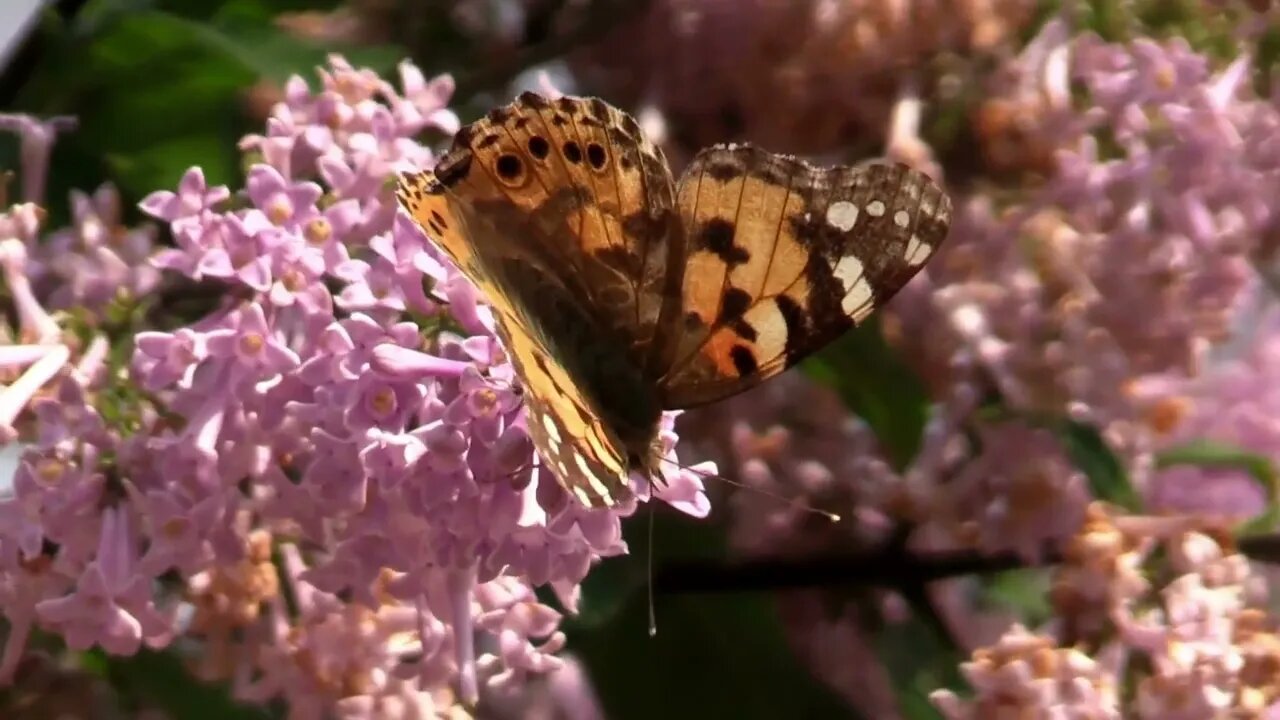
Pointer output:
1090, 453
616, 582
713, 656
1220, 455
98, 15
1024, 592
1084, 446
1109, 18
1268, 54
162, 164
720, 655
919, 661
168, 78
878, 386
269, 52
608, 588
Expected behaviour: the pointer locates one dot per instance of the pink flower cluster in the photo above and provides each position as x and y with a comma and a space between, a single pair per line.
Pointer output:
360, 451
1102, 293
1202, 638
1033, 304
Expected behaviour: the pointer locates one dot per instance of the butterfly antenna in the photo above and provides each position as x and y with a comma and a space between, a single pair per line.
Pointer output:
759, 491
653, 613
529, 466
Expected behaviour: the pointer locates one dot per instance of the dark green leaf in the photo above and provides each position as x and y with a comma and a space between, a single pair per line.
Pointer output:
1025, 592
98, 15
713, 656
876, 385
162, 164
608, 588
616, 582
720, 655
269, 52
919, 661
161, 679
1085, 447
1268, 53
1108, 18
1090, 453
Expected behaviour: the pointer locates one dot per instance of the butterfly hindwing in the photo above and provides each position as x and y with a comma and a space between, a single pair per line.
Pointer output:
784, 257
572, 442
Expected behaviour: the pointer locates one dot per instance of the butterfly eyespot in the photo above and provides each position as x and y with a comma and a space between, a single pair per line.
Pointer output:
572, 152
509, 167
596, 156
539, 147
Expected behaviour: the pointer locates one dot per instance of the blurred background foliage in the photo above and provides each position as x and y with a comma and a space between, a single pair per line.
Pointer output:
158, 86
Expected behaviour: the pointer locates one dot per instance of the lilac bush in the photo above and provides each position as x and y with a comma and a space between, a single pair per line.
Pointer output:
322, 491
1204, 634
360, 451
1102, 293
1033, 303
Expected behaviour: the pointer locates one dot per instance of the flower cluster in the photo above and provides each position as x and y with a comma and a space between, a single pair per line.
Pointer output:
1098, 295
326, 484
1194, 644
361, 451
1031, 304
794, 75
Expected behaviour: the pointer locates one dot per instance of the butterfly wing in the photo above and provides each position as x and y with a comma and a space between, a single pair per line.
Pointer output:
563, 216
580, 451
784, 257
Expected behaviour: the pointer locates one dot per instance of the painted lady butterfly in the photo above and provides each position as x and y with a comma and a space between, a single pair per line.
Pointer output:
619, 292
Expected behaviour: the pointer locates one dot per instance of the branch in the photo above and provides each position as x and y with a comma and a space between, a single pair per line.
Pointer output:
892, 569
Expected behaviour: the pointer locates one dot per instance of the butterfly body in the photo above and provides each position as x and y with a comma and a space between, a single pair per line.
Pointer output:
619, 293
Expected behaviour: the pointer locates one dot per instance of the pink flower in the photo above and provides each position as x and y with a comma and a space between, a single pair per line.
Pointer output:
112, 604
193, 199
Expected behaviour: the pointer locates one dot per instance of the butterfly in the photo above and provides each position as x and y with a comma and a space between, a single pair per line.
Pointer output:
619, 292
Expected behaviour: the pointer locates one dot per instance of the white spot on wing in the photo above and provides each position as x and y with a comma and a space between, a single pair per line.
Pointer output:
875, 208
842, 215
592, 480
857, 292
917, 252
549, 425
901, 218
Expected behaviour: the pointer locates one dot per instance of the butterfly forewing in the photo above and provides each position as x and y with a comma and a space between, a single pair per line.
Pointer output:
784, 257
560, 212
